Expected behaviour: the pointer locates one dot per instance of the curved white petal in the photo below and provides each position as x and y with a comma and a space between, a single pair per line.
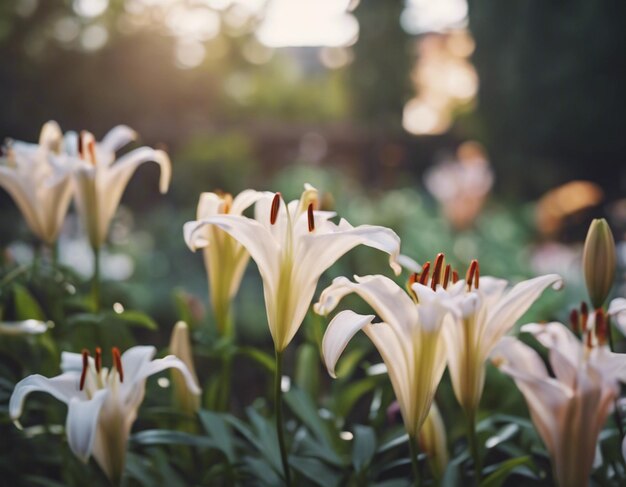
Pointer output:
244, 200
51, 136
169, 362
388, 300
409, 264
117, 137
82, 423
513, 305
24, 199
26, 327
209, 204
135, 360
249, 233
318, 251
64, 387
435, 305
340, 331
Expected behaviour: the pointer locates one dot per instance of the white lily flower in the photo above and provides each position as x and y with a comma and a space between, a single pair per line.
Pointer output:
26, 327
409, 337
102, 402
569, 409
101, 179
38, 178
225, 259
489, 311
292, 246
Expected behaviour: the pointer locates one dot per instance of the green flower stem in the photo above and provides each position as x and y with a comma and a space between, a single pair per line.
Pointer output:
95, 284
278, 406
414, 452
472, 439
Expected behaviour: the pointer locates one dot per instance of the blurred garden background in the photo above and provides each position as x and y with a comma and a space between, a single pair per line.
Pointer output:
480, 128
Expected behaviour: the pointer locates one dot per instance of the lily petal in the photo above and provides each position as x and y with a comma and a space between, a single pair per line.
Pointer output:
64, 387
340, 331
617, 309
117, 137
244, 200
26, 327
82, 423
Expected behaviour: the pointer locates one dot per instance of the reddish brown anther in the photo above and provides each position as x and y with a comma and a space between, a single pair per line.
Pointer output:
424, 275
83, 374
472, 275
574, 321
584, 316
275, 208
455, 276
437, 271
117, 361
311, 218
91, 147
601, 327
98, 359
80, 143
446, 276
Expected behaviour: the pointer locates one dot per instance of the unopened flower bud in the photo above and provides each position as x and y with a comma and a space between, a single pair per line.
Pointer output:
599, 261
180, 346
433, 441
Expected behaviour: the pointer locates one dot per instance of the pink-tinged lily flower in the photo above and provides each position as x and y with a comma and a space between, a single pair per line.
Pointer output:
102, 402
489, 311
225, 259
292, 245
101, 178
38, 178
570, 408
408, 338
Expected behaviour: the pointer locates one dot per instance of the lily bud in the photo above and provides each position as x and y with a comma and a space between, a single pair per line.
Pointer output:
433, 442
180, 346
599, 261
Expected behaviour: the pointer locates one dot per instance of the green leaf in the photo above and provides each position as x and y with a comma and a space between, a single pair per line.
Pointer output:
307, 374
265, 359
171, 437
345, 399
220, 432
26, 307
504, 469
135, 318
363, 447
303, 407
403, 439
315, 471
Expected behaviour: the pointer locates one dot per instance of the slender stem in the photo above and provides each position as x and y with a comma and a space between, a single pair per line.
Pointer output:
278, 407
472, 439
414, 452
95, 285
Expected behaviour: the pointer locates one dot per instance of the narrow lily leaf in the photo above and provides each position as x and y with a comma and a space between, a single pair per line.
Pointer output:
303, 407
220, 432
505, 469
136, 318
400, 440
171, 437
310, 447
504, 434
260, 357
315, 471
26, 307
345, 399
364, 447
307, 374
263, 472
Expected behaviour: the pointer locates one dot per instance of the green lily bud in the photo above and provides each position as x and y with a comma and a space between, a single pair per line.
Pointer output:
180, 346
599, 261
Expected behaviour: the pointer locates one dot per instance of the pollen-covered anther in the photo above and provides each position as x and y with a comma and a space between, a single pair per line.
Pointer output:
472, 276
601, 327
83, 374
310, 217
98, 359
80, 144
275, 208
91, 147
413, 278
437, 271
584, 316
455, 276
425, 272
446, 276
117, 362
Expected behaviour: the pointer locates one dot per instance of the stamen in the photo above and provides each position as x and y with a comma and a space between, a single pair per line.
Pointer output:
98, 359
584, 316
117, 361
413, 278
275, 207
80, 143
471, 275
477, 275
589, 339
83, 374
91, 147
309, 213
446, 276
574, 321
601, 328
424, 275
455, 276
437, 271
